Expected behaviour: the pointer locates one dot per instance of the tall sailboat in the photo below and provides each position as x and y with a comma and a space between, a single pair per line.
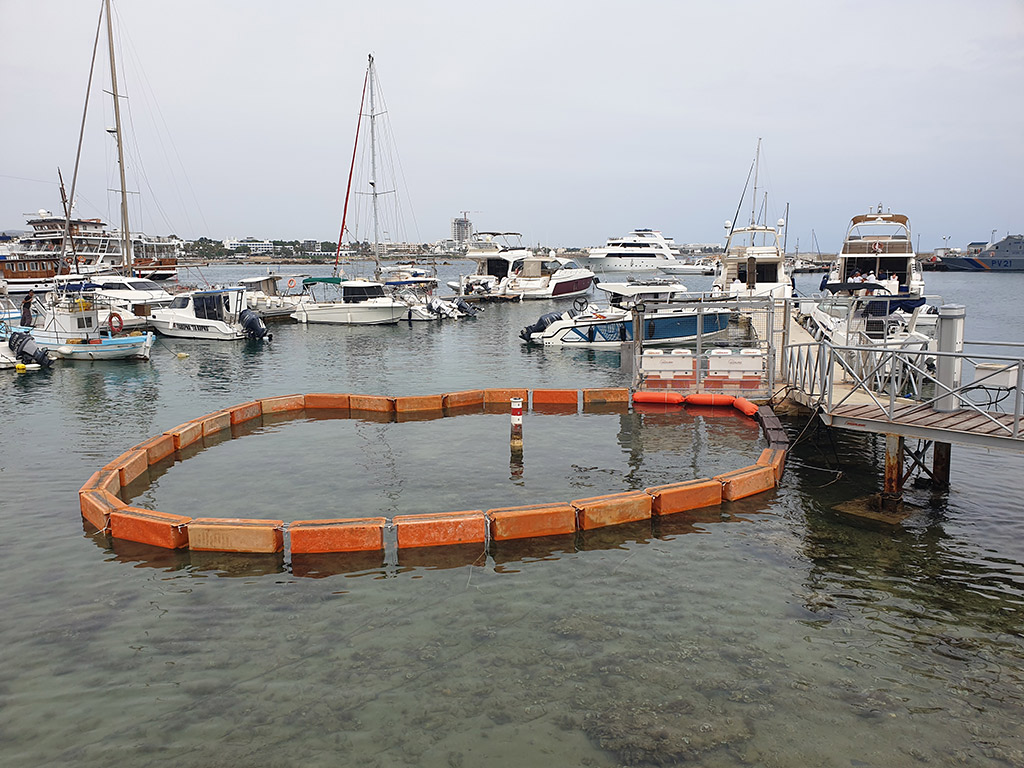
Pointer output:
345, 301
76, 324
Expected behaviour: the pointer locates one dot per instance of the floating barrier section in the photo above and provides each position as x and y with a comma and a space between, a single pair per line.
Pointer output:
104, 510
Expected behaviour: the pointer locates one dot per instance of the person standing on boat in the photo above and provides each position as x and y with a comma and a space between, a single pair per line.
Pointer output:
26, 309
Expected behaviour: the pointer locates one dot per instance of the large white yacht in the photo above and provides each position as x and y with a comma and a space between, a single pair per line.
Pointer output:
642, 250
878, 245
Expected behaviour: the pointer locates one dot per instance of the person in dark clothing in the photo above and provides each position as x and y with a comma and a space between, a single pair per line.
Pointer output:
26, 309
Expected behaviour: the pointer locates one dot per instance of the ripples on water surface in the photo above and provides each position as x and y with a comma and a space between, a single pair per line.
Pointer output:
770, 632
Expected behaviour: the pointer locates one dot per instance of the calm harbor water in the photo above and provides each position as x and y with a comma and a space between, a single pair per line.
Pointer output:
771, 632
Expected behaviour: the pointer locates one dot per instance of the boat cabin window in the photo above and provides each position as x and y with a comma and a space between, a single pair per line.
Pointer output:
356, 293
880, 265
180, 302
210, 306
499, 267
764, 272
144, 285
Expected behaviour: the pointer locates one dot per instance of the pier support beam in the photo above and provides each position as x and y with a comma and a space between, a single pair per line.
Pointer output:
940, 465
892, 490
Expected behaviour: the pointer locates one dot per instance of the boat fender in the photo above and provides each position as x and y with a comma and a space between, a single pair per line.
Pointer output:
744, 406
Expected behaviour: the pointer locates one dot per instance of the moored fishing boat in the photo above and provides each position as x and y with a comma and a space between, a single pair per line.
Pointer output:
264, 297
220, 314
81, 326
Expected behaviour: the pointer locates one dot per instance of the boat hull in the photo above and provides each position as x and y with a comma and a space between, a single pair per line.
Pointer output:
611, 330
341, 313
68, 347
193, 328
982, 264
605, 264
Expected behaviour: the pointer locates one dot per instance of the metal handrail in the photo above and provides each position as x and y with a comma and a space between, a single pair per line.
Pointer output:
897, 376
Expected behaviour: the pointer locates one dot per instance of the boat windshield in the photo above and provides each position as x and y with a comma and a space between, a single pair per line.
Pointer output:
210, 306
356, 293
180, 302
144, 285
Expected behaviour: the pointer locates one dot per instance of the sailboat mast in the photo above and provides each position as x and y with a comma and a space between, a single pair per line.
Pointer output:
126, 254
785, 236
373, 164
351, 169
753, 197
78, 153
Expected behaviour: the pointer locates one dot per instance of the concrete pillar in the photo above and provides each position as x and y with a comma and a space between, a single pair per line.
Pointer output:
951, 339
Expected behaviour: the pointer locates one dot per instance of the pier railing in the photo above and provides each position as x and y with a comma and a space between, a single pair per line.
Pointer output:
893, 378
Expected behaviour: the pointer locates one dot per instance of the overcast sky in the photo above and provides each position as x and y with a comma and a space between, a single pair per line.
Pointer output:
567, 121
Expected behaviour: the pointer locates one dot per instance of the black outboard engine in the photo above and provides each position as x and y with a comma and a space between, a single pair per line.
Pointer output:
254, 326
25, 349
540, 325
465, 307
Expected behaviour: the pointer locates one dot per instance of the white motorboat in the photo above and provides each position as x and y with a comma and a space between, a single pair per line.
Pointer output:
874, 294
348, 302
664, 323
264, 297
79, 326
424, 306
134, 298
642, 250
703, 266
506, 268
220, 314
878, 250
755, 260
754, 263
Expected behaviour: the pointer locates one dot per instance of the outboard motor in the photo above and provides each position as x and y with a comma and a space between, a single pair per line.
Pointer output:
465, 307
542, 323
25, 349
254, 326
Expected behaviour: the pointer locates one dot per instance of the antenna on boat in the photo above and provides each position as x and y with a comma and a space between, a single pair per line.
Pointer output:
126, 257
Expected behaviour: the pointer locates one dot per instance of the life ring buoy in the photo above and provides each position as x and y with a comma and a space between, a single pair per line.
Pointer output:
291, 282
115, 323
877, 247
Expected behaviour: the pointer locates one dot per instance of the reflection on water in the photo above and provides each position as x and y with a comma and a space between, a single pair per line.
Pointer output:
779, 633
